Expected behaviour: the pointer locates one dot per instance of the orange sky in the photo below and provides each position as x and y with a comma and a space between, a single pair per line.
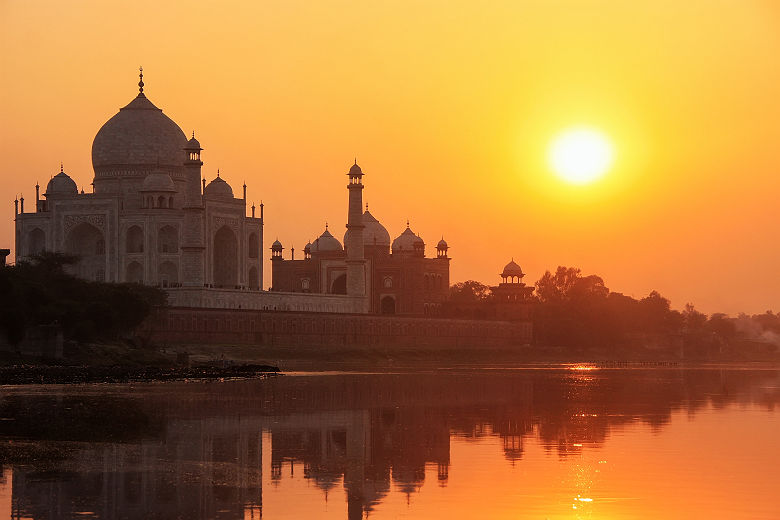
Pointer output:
449, 107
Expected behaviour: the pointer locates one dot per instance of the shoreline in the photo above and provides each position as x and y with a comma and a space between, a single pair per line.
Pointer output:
16, 375
115, 363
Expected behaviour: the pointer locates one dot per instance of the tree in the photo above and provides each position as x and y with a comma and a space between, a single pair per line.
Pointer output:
722, 325
469, 291
693, 320
38, 291
555, 287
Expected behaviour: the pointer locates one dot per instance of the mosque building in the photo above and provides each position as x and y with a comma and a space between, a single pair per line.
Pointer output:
151, 218
397, 277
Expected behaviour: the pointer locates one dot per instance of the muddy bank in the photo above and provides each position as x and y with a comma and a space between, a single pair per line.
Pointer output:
41, 374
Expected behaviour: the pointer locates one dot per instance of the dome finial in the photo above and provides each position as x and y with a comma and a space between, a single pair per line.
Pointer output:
61, 170
217, 172
193, 134
141, 80
407, 223
366, 206
326, 225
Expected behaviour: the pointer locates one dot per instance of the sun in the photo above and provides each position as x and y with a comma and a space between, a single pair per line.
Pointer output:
580, 155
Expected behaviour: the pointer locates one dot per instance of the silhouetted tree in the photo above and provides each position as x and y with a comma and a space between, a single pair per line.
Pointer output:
39, 291
469, 291
694, 320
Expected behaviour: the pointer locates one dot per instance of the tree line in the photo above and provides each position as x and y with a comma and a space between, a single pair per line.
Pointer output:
39, 291
575, 310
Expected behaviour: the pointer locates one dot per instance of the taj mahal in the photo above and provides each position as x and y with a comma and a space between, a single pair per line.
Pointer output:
152, 218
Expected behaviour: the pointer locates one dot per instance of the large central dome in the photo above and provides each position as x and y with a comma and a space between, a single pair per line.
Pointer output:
138, 138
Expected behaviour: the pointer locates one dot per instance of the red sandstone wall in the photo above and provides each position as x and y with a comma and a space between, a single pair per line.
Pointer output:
178, 325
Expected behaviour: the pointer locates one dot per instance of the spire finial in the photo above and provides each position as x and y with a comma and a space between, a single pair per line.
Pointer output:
355, 161
366, 206
61, 171
193, 134
141, 80
407, 223
217, 172
326, 225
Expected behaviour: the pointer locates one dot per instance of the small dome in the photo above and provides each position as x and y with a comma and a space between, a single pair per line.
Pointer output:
218, 188
355, 169
442, 244
276, 246
307, 247
326, 242
374, 233
61, 184
407, 241
158, 181
512, 269
193, 144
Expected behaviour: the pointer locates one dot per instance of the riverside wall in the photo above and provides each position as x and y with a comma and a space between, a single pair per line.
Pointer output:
199, 326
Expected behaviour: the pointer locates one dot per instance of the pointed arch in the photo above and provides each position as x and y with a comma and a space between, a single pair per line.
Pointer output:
225, 258
134, 273
134, 240
168, 274
168, 240
339, 285
87, 242
36, 241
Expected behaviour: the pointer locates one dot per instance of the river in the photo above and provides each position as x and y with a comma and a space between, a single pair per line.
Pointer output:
565, 441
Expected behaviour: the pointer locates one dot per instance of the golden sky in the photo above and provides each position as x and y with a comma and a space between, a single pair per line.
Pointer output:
449, 107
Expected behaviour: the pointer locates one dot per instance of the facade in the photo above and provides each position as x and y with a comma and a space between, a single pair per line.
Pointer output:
150, 217
396, 278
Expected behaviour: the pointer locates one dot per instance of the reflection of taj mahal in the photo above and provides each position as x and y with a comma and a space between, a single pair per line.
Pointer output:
151, 218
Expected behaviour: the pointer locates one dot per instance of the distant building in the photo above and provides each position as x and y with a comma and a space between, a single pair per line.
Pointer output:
397, 278
151, 218
511, 297
510, 300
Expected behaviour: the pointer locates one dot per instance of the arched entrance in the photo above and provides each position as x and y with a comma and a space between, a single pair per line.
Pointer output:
168, 274
339, 285
134, 273
36, 241
168, 240
135, 240
387, 305
87, 242
225, 258
254, 245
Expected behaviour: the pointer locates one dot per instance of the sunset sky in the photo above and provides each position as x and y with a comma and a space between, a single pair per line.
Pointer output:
449, 108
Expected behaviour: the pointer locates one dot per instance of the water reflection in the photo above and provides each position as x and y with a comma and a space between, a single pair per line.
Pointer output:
207, 450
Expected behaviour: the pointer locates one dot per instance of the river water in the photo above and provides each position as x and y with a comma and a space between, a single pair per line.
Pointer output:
570, 441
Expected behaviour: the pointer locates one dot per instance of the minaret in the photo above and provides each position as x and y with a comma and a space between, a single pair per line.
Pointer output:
193, 244
353, 242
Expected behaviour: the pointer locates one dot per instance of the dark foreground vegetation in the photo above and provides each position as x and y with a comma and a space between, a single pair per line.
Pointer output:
575, 311
42, 374
41, 293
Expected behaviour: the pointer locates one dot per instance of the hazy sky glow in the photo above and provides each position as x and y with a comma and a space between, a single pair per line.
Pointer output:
449, 107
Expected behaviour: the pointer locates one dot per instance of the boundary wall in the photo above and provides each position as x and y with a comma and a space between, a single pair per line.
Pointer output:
211, 298
198, 326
